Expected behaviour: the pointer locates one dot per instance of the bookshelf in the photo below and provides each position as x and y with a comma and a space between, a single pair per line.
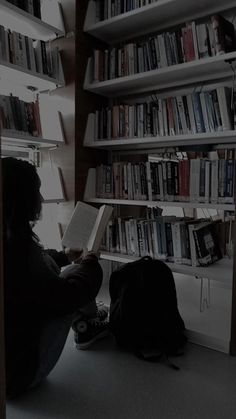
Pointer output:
220, 271
22, 80
31, 25
20, 139
121, 144
193, 75
30, 79
2, 346
198, 71
160, 14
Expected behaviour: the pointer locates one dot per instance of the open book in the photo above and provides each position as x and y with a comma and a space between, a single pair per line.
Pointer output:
86, 227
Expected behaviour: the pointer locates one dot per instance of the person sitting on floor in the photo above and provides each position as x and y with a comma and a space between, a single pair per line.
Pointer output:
41, 302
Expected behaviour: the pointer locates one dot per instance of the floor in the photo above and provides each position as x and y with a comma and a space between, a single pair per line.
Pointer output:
104, 382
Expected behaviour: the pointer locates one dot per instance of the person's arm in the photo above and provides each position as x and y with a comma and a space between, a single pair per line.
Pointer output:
76, 286
64, 257
60, 258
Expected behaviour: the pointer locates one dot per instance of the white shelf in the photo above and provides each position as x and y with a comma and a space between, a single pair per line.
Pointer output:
14, 18
220, 207
156, 16
18, 138
218, 344
148, 143
221, 271
24, 77
205, 69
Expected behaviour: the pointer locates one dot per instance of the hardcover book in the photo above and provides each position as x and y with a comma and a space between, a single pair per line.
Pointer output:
207, 243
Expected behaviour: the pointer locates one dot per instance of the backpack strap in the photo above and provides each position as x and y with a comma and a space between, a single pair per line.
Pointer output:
151, 355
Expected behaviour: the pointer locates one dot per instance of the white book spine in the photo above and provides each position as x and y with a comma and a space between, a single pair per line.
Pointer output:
193, 251
175, 228
162, 49
195, 43
224, 107
155, 242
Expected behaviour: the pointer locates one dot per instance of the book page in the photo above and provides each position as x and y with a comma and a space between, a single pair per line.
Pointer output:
80, 226
99, 227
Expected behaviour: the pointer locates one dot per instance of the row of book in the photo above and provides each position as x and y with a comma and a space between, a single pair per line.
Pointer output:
37, 56
208, 111
180, 240
17, 115
195, 180
31, 6
190, 42
105, 9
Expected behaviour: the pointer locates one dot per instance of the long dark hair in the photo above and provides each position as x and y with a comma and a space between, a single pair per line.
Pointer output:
21, 200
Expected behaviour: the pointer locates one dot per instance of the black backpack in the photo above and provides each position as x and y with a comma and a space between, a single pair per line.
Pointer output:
144, 316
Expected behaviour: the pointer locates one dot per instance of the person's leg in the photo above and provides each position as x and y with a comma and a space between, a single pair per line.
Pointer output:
51, 344
55, 333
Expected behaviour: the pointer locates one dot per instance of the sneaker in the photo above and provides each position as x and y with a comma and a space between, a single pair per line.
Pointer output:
101, 313
89, 331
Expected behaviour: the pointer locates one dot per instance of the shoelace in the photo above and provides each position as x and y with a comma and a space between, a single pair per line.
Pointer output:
97, 322
102, 312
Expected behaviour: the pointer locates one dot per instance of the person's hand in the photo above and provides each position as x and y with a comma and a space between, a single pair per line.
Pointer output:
87, 254
74, 255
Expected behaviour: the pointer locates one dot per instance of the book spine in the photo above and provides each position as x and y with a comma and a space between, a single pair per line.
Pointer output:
193, 251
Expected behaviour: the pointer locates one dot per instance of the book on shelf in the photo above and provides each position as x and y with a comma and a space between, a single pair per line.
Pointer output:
198, 180
207, 243
106, 9
198, 112
31, 6
185, 241
191, 41
18, 115
86, 227
224, 34
35, 55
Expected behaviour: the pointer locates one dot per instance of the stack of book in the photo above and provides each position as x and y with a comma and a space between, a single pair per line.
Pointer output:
190, 42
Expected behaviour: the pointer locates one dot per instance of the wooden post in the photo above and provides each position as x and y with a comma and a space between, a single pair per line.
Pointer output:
2, 345
233, 315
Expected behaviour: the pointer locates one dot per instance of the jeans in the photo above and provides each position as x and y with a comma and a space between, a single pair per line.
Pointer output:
53, 340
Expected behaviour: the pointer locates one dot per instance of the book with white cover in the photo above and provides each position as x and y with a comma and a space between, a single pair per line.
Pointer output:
86, 227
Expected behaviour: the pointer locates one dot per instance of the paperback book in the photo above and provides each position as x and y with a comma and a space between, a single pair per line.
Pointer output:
86, 227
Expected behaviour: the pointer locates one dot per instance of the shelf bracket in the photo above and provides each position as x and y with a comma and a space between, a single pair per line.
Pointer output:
205, 293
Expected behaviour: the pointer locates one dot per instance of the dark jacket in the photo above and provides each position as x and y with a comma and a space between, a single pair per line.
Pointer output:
34, 294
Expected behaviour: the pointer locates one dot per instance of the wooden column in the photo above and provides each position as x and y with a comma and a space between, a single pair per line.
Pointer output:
2, 345
233, 316
85, 102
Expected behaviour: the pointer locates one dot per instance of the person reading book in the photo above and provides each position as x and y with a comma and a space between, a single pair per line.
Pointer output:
41, 302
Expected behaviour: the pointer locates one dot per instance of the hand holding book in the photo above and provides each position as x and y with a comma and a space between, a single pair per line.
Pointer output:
73, 255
